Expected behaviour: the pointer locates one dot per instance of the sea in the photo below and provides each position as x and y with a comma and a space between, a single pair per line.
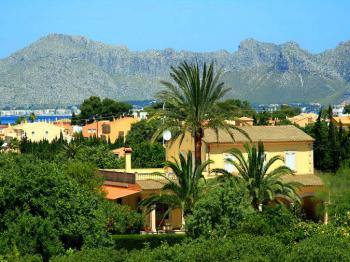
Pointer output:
39, 118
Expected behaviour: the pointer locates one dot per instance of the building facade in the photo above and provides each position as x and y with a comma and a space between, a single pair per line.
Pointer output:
109, 130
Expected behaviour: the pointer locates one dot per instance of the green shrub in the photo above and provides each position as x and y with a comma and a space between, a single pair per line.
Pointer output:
121, 219
242, 248
93, 255
130, 242
219, 211
44, 209
321, 248
273, 221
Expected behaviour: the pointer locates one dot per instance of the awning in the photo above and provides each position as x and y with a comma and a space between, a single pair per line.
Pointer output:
115, 192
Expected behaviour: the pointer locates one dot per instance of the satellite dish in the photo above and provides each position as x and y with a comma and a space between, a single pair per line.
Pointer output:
166, 135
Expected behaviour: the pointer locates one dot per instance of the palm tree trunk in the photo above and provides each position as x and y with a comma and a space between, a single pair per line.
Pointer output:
198, 146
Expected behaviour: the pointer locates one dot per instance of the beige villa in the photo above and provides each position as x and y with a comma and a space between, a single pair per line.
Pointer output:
129, 186
35, 132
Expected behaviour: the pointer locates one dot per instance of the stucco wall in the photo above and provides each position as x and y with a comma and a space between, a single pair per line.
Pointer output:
303, 151
215, 151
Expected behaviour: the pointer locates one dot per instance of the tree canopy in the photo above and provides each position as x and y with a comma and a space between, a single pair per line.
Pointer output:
95, 107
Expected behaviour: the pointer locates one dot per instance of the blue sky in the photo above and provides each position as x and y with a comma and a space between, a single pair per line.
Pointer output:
196, 25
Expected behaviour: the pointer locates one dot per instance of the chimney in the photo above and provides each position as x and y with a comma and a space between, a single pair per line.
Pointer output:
128, 152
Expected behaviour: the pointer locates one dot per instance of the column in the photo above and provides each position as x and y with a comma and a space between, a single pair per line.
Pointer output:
153, 219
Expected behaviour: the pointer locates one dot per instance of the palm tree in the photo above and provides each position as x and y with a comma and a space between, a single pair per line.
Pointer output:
191, 104
262, 183
182, 192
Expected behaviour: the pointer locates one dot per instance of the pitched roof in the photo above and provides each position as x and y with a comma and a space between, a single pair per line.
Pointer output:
305, 180
343, 119
258, 133
151, 184
114, 192
244, 118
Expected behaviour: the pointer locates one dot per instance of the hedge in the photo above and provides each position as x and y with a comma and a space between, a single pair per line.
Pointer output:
238, 248
130, 242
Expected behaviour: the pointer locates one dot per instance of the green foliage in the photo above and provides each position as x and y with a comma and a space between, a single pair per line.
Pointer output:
242, 248
262, 119
236, 108
346, 109
88, 150
121, 219
338, 196
20, 120
46, 208
286, 111
219, 210
100, 155
191, 103
141, 131
332, 144
280, 116
83, 173
93, 255
32, 117
277, 221
321, 248
185, 190
130, 242
263, 182
94, 107
145, 153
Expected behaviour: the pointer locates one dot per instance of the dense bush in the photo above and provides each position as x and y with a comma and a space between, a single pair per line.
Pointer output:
95, 107
339, 195
243, 248
45, 210
321, 248
93, 255
145, 153
88, 150
240, 248
273, 220
100, 155
219, 211
130, 242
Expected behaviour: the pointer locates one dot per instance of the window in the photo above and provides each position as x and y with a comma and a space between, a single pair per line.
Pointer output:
228, 166
290, 160
106, 129
46, 133
33, 133
121, 134
89, 131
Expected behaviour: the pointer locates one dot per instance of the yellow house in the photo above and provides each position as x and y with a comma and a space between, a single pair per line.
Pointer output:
129, 186
110, 130
294, 145
287, 141
36, 132
344, 120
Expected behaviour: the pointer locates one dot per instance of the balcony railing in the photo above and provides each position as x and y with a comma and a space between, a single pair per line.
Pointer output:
116, 176
152, 176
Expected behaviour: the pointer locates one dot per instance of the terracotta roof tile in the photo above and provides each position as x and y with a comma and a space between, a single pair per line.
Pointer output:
259, 133
305, 180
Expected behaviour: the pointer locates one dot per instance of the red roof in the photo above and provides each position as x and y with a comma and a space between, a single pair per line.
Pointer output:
115, 192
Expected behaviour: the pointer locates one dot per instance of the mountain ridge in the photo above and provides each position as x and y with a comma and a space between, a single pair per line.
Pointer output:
63, 70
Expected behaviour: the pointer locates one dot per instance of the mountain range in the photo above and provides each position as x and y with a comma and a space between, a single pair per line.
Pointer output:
61, 70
